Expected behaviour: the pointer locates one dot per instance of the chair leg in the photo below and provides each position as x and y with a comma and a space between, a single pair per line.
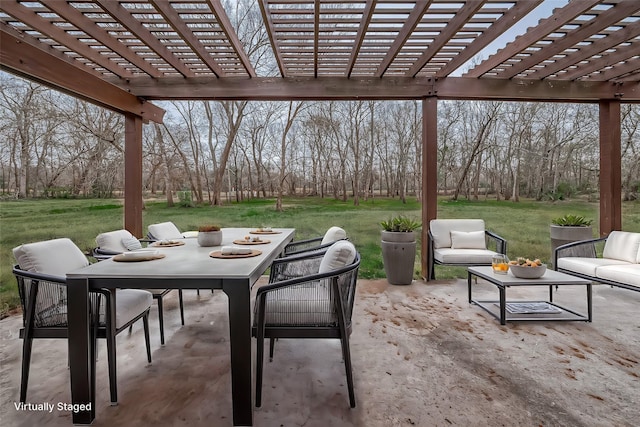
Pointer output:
111, 361
26, 363
272, 344
346, 354
259, 363
181, 306
145, 322
198, 291
161, 319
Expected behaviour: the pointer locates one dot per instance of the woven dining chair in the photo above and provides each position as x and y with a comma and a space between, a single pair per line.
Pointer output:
308, 296
42, 286
332, 235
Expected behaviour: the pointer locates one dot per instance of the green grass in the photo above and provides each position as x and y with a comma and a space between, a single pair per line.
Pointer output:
525, 225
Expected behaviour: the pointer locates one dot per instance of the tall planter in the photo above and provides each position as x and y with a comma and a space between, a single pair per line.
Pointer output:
562, 234
398, 256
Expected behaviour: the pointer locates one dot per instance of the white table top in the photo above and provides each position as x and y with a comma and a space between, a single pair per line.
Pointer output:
550, 277
192, 261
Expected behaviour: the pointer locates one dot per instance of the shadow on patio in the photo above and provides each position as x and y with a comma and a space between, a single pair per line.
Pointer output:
421, 355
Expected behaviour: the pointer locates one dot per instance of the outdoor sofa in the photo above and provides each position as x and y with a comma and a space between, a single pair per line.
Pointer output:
619, 264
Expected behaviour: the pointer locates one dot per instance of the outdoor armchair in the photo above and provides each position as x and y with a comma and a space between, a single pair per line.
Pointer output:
116, 242
42, 286
332, 235
308, 296
461, 243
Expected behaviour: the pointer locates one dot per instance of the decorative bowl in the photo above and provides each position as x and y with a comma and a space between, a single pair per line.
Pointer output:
526, 272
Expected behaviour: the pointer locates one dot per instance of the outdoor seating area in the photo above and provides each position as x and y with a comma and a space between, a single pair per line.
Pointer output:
421, 356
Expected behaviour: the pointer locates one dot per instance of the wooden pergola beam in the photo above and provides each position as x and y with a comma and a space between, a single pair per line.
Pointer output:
607, 18
133, 203
19, 56
546, 26
123, 16
367, 14
386, 88
610, 167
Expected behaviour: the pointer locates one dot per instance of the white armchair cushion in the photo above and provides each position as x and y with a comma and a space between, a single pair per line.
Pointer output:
55, 257
441, 229
468, 240
131, 243
339, 255
622, 245
115, 241
629, 274
333, 234
130, 303
586, 266
164, 231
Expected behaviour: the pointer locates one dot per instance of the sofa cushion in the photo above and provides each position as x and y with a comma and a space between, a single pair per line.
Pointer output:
55, 257
333, 234
115, 241
441, 229
468, 240
622, 245
586, 266
627, 274
339, 255
463, 256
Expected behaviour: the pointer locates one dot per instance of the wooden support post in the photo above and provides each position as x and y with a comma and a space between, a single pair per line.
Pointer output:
610, 167
429, 174
133, 174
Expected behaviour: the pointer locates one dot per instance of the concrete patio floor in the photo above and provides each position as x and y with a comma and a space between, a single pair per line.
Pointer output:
422, 356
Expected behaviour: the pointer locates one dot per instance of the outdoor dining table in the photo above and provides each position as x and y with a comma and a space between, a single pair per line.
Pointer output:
188, 266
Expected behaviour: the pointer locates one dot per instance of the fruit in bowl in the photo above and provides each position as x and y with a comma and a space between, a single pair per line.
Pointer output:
524, 268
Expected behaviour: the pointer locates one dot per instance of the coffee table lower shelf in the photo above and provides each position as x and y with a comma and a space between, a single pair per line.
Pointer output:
561, 314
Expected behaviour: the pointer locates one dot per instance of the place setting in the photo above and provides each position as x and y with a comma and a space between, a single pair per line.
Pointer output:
231, 252
166, 243
264, 230
248, 240
138, 256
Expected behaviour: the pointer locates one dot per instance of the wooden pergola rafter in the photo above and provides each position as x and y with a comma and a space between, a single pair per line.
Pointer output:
120, 54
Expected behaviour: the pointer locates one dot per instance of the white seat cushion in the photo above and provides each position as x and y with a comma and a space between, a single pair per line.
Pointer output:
339, 255
55, 257
333, 234
130, 303
586, 266
441, 229
116, 241
463, 256
622, 245
165, 231
628, 274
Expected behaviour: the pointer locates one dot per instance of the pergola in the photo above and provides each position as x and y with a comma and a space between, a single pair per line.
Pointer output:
120, 54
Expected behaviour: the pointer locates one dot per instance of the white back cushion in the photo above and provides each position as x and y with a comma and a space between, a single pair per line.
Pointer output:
333, 234
55, 257
115, 241
339, 255
164, 231
468, 240
441, 229
622, 245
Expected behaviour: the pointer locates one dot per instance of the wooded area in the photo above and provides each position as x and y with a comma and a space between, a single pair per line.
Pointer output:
57, 146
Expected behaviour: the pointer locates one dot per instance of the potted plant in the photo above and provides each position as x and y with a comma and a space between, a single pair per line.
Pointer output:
571, 228
209, 235
399, 249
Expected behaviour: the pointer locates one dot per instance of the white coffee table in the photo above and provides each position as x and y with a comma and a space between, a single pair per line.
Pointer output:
504, 310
